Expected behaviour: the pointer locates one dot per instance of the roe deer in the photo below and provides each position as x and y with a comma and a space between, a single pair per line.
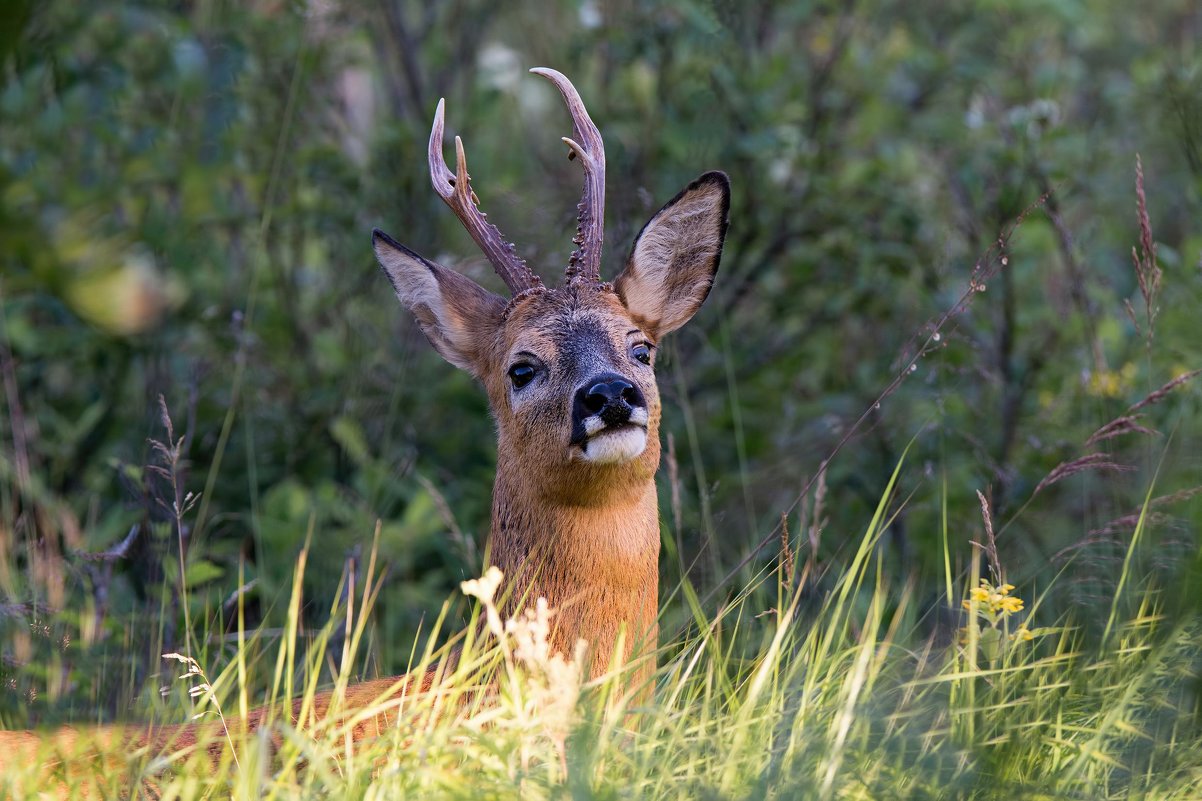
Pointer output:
569, 373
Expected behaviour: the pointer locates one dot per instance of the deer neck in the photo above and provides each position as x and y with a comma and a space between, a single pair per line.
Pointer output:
595, 560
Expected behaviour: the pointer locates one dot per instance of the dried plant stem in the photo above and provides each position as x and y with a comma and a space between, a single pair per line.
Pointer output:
172, 454
786, 551
1162, 393
205, 688
1147, 270
990, 546
1127, 424
466, 544
675, 497
818, 518
1090, 461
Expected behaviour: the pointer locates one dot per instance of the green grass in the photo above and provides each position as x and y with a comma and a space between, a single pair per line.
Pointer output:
835, 686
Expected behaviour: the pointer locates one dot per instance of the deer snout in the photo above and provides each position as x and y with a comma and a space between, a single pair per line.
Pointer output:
610, 397
609, 420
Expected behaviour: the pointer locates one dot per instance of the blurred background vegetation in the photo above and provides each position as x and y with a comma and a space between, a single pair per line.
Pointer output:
186, 195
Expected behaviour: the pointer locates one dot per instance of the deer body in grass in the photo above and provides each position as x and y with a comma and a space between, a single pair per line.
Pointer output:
569, 373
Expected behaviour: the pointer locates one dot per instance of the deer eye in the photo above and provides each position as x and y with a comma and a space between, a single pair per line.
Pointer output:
642, 352
521, 374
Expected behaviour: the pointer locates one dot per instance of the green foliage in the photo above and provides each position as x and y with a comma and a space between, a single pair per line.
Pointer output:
186, 192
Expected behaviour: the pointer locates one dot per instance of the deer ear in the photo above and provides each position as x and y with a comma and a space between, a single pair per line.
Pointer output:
457, 315
672, 264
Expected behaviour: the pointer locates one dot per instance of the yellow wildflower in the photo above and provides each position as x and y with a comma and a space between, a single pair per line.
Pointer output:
991, 600
991, 607
1011, 605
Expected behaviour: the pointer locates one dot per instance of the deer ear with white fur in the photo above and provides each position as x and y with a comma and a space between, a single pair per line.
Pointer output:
672, 264
456, 314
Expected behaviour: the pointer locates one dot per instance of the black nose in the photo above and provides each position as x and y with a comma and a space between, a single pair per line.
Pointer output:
610, 396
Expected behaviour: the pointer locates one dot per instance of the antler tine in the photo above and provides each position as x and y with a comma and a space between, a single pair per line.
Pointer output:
456, 189
585, 262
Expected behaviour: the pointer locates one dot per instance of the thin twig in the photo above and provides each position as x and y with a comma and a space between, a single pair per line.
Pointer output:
118, 551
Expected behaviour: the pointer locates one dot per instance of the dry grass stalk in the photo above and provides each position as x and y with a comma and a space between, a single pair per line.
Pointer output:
1130, 310
1090, 461
1147, 270
990, 546
803, 514
818, 519
466, 544
1161, 393
1105, 533
1175, 497
674, 485
786, 551
204, 690
1127, 424
1096, 537
173, 454
1127, 523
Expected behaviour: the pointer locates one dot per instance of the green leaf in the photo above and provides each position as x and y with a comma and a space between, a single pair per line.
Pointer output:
348, 433
201, 572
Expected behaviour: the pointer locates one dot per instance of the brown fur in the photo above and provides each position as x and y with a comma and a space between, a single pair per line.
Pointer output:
583, 535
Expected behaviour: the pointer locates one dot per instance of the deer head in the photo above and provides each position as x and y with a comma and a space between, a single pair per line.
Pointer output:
570, 370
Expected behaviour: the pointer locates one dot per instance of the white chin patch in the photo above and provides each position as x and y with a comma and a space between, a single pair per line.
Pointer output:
615, 447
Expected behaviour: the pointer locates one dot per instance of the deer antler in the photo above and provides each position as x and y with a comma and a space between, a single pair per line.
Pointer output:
585, 262
456, 189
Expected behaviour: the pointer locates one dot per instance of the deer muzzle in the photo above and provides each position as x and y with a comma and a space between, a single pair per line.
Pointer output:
609, 420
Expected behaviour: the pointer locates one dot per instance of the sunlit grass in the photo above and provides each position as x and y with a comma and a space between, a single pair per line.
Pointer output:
786, 692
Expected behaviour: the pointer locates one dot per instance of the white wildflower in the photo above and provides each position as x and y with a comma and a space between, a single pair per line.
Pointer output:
485, 587
551, 682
